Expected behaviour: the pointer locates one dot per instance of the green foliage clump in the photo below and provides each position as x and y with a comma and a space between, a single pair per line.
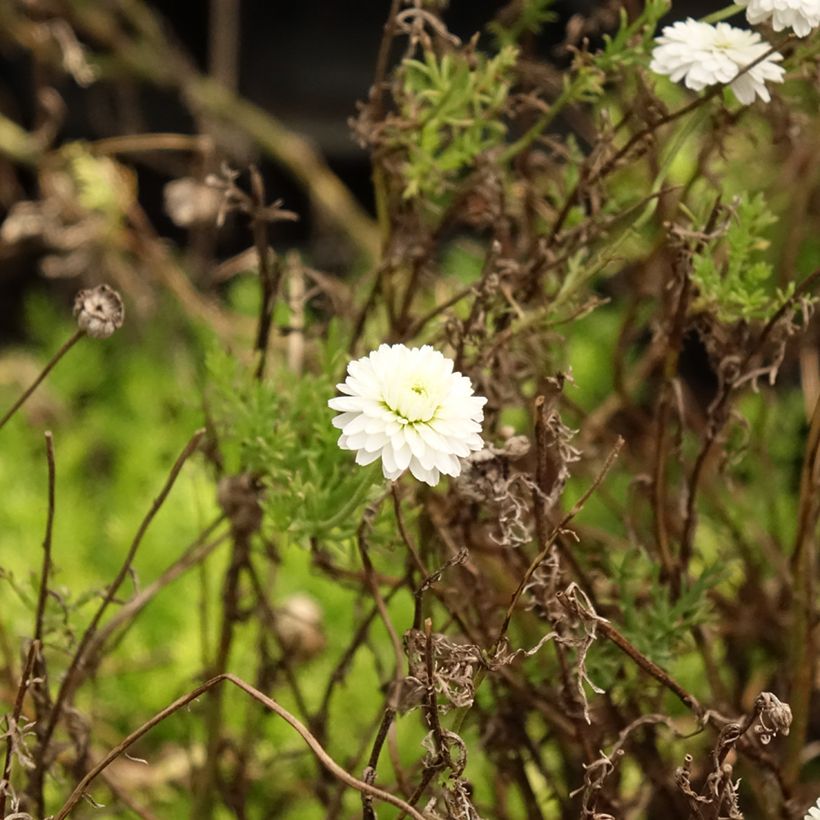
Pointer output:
731, 278
101, 185
450, 109
653, 621
633, 40
532, 16
279, 429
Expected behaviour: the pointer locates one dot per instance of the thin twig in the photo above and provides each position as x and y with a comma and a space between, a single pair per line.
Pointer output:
373, 760
550, 540
145, 143
648, 666
78, 334
40, 687
431, 705
319, 720
197, 552
270, 271
301, 729
373, 584
382, 60
77, 661
12, 722
44, 573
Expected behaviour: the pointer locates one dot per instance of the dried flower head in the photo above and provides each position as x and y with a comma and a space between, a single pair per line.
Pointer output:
702, 55
190, 202
408, 407
799, 15
774, 717
99, 311
299, 627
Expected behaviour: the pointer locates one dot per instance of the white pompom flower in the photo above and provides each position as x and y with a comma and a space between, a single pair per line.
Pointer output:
813, 812
407, 406
702, 55
801, 16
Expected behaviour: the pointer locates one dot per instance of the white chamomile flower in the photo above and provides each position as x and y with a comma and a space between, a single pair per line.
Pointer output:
799, 15
702, 55
408, 407
814, 812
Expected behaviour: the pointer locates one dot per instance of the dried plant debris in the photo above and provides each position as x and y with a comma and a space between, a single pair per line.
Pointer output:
488, 476
719, 795
614, 275
454, 668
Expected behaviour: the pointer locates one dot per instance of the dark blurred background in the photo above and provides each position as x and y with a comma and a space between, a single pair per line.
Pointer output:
307, 62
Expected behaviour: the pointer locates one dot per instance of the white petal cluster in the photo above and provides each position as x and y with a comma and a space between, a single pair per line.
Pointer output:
814, 812
801, 16
702, 55
408, 407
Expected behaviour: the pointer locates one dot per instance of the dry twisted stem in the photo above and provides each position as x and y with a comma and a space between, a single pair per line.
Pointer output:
454, 667
324, 758
76, 667
719, 793
487, 477
596, 773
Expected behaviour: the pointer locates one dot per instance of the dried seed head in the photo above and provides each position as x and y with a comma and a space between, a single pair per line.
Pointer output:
774, 717
99, 311
190, 202
299, 626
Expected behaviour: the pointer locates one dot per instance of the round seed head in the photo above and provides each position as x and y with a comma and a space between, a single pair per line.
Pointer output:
99, 311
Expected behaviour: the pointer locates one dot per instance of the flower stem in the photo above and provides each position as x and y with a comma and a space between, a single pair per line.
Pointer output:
722, 14
46, 370
357, 497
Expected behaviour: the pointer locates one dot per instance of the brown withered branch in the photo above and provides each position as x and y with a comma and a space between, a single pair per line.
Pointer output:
325, 759
549, 537
73, 339
719, 796
596, 774
261, 215
99, 312
80, 656
493, 559
16, 730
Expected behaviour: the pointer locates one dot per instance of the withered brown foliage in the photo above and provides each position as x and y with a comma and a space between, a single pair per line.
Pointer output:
535, 646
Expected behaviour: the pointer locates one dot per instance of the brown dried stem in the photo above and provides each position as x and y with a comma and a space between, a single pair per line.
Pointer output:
550, 540
80, 654
13, 719
648, 666
46, 570
197, 552
270, 270
324, 758
77, 335
802, 634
